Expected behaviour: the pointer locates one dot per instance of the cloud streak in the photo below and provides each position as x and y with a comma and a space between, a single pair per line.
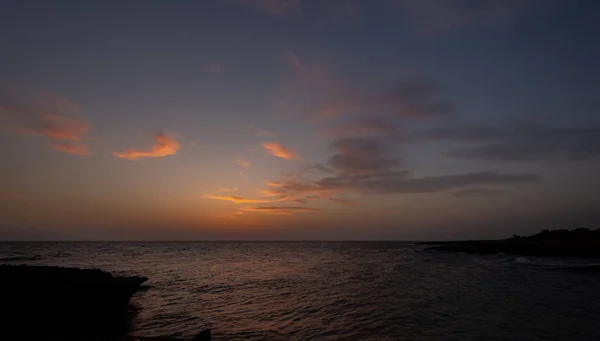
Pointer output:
242, 163
360, 127
164, 146
283, 210
522, 143
240, 200
278, 150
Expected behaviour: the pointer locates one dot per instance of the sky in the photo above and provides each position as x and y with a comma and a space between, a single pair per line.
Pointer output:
298, 119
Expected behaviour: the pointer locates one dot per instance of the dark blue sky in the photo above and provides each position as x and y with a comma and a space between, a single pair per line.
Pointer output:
298, 119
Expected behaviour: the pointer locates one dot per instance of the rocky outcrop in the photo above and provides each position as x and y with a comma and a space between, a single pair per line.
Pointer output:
56, 303
558, 243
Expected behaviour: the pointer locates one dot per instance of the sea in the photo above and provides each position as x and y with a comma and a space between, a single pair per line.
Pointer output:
300, 291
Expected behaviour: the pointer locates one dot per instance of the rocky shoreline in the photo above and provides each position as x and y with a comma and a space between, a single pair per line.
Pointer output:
62, 304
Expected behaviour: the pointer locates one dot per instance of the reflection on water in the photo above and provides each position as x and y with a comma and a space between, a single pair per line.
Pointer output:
337, 291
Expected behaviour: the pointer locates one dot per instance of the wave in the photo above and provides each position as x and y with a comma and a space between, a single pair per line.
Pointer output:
589, 267
523, 260
576, 267
20, 258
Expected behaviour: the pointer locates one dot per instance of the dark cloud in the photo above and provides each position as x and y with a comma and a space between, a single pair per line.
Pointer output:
522, 143
366, 125
362, 156
478, 192
387, 185
413, 98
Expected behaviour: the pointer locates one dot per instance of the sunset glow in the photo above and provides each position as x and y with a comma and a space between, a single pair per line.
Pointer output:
266, 119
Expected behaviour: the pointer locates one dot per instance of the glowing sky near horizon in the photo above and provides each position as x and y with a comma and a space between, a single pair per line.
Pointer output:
298, 119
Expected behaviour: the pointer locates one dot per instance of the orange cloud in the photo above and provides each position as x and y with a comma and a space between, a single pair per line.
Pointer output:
242, 162
240, 200
221, 190
51, 117
276, 149
284, 210
164, 146
58, 128
75, 149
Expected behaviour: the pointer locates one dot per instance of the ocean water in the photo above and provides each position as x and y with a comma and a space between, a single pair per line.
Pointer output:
339, 291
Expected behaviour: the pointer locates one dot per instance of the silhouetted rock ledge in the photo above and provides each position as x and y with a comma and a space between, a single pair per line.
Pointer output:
557, 243
56, 303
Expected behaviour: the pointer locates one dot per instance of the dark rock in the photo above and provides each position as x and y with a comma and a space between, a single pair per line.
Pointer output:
559, 243
56, 303
202, 336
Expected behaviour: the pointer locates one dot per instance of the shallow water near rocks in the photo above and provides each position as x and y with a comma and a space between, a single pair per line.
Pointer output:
339, 290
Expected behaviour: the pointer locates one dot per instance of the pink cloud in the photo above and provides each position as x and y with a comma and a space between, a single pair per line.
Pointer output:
75, 149
276, 149
164, 146
243, 163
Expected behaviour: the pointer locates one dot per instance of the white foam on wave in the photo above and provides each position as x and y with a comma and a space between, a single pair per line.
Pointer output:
523, 260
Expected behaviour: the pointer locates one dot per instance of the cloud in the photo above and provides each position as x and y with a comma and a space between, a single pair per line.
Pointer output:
412, 98
223, 190
477, 193
243, 163
284, 210
437, 16
75, 149
240, 200
368, 166
273, 6
363, 126
520, 143
216, 68
361, 155
55, 118
164, 146
276, 149
259, 131
337, 107
51, 117
441, 183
